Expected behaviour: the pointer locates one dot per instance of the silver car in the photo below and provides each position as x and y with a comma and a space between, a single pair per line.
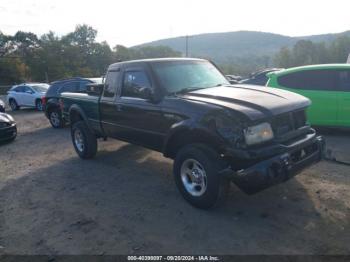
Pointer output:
27, 95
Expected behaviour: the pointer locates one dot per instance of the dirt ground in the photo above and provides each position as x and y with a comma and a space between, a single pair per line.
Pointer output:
125, 202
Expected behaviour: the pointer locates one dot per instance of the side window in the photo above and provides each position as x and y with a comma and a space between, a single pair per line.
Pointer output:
19, 89
82, 86
344, 81
321, 80
69, 87
132, 83
26, 89
111, 83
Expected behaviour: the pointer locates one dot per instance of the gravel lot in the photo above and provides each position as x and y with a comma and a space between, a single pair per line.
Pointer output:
125, 202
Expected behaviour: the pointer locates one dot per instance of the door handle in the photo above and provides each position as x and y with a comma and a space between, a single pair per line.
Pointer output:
119, 107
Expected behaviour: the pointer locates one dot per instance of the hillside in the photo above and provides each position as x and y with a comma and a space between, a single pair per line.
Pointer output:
223, 47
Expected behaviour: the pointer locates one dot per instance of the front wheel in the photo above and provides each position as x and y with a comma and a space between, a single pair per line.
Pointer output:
84, 141
196, 172
13, 104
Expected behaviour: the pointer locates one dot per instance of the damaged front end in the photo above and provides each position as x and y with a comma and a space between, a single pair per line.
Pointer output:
276, 163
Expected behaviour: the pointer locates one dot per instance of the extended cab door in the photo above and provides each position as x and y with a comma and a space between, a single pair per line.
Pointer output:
137, 119
344, 98
108, 112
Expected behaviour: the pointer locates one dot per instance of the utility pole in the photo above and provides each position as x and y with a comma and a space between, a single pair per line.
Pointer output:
186, 40
186, 45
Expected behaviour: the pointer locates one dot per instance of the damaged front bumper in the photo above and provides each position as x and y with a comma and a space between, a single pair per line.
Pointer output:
279, 168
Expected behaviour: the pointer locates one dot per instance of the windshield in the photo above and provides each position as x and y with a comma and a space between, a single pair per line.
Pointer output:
176, 76
40, 88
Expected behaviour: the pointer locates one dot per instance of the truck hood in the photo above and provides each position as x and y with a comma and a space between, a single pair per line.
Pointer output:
256, 102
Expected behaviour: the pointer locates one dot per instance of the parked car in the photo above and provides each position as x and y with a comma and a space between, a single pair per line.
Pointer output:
8, 128
2, 106
186, 109
260, 77
51, 99
233, 79
327, 86
27, 95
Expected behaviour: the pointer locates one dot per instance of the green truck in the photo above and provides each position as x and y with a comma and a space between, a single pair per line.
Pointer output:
327, 86
187, 110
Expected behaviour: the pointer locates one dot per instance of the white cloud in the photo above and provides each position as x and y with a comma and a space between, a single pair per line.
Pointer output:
137, 21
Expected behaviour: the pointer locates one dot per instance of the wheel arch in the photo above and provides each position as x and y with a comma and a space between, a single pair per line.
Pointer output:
76, 113
183, 136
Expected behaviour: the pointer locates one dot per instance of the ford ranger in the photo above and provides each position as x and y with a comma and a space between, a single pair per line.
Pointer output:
216, 133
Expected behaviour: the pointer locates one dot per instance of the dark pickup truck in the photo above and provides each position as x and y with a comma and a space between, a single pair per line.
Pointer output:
215, 132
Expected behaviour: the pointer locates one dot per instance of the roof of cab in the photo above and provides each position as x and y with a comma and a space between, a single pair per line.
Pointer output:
309, 67
151, 60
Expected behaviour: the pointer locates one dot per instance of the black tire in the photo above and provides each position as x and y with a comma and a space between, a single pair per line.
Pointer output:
217, 186
55, 118
13, 104
39, 105
87, 138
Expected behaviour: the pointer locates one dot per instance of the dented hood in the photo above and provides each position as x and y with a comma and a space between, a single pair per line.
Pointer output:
256, 102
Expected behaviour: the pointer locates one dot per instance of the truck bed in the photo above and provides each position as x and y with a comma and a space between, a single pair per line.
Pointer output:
87, 102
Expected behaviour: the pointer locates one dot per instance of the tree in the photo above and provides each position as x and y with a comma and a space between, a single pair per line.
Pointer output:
340, 49
284, 58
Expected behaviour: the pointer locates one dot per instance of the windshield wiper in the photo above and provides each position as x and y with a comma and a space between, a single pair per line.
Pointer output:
190, 89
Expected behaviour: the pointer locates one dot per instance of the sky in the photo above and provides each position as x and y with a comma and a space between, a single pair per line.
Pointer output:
132, 22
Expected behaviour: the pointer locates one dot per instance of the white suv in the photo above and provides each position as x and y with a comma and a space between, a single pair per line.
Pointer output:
27, 95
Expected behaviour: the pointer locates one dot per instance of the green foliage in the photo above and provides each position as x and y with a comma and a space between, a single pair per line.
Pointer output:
12, 70
25, 57
306, 52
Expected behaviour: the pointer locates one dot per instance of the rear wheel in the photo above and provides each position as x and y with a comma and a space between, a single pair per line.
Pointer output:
84, 141
196, 172
13, 104
55, 118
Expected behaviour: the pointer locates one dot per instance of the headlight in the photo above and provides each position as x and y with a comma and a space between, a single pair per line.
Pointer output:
258, 134
2, 103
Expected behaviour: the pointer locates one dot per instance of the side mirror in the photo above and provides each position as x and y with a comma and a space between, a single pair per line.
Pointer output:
94, 89
146, 93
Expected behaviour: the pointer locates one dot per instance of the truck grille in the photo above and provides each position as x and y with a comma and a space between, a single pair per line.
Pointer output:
289, 122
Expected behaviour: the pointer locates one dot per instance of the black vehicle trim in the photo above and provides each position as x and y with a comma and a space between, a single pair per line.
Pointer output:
133, 128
